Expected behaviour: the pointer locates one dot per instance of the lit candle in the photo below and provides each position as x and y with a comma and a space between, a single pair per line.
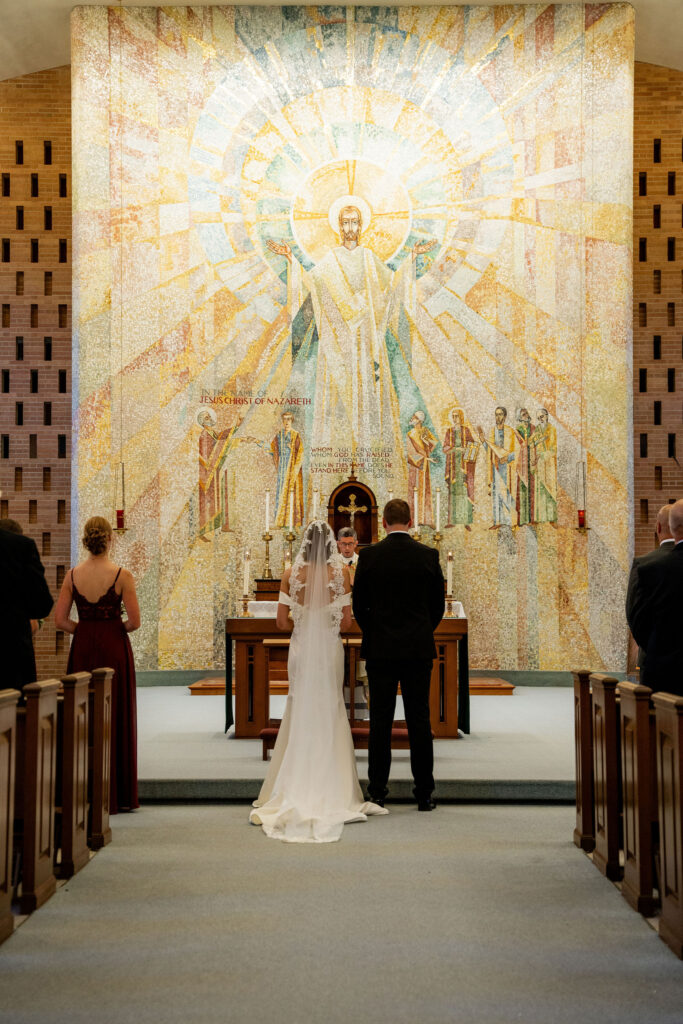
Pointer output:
438, 508
449, 574
267, 511
315, 504
291, 511
245, 587
415, 515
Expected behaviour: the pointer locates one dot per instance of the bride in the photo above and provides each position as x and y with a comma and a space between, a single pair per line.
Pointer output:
311, 788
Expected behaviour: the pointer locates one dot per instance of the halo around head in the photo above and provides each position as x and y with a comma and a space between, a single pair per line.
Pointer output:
202, 413
340, 203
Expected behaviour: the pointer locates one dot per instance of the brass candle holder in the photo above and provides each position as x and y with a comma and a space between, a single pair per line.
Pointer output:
267, 574
448, 614
438, 537
290, 538
415, 533
245, 613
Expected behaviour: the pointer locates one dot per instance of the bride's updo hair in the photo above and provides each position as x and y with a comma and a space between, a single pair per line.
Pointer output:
318, 543
96, 535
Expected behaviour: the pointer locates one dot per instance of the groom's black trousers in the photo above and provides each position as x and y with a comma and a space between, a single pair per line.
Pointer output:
383, 679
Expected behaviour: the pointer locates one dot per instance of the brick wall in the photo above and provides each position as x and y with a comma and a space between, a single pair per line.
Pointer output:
35, 330
657, 295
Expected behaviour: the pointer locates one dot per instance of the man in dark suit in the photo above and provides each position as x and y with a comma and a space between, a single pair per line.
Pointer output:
665, 543
398, 600
24, 595
655, 611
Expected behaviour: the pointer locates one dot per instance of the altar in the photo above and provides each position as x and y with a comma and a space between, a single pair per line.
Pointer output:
260, 657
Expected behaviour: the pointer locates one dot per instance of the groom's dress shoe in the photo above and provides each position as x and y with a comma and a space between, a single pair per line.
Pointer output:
426, 805
375, 800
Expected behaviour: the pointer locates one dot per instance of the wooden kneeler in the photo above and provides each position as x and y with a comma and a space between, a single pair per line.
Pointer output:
8, 756
99, 757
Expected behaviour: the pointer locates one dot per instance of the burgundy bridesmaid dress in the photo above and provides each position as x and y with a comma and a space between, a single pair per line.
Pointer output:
101, 641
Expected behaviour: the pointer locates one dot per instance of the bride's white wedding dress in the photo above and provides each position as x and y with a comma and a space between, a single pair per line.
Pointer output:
311, 787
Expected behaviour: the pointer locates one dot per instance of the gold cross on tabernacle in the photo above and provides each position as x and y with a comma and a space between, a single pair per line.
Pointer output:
352, 508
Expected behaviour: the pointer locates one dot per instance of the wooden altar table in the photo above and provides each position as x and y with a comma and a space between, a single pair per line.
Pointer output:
260, 651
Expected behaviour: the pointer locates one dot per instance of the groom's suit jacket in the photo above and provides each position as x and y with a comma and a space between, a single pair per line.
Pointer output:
24, 595
656, 613
398, 599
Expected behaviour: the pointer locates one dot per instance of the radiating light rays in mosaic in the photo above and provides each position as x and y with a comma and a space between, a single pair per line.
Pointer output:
498, 132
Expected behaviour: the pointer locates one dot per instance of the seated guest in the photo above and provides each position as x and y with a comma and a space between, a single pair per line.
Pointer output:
655, 611
24, 596
347, 542
101, 641
14, 527
665, 543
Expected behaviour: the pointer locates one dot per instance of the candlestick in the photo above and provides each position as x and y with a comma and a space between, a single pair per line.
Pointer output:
267, 574
449, 574
245, 613
415, 509
290, 538
391, 495
315, 504
245, 588
291, 510
438, 537
438, 509
267, 512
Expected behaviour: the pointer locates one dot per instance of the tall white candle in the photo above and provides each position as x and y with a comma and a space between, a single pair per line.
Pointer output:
415, 515
245, 582
449, 574
438, 508
391, 495
267, 511
291, 511
315, 504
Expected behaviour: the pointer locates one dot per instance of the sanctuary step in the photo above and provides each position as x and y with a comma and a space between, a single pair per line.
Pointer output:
360, 734
491, 685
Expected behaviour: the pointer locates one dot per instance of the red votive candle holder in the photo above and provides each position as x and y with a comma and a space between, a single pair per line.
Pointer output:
119, 519
582, 518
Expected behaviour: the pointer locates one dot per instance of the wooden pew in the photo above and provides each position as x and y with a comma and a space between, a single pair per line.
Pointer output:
639, 793
99, 757
72, 776
669, 755
35, 792
584, 833
606, 774
8, 756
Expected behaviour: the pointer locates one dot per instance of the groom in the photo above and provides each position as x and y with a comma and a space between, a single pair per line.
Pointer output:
398, 600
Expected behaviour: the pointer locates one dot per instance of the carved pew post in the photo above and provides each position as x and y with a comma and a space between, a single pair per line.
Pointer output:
584, 833
8, 757
35, 793
73, 775
639, 790
99, 739
606, 774
669, 752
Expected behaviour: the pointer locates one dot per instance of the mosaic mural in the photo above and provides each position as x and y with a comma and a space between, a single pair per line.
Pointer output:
393, 237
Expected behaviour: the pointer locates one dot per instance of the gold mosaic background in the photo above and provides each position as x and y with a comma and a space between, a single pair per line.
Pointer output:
487, 152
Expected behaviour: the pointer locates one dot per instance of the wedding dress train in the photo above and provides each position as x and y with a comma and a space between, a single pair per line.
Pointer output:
311, 787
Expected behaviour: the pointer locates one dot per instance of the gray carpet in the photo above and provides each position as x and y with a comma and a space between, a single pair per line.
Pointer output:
477, 914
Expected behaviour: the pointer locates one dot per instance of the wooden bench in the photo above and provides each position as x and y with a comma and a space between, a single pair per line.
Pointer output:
584, 832
669, 756
639, 796
34, 806
99, 757
606, 775
8, 756
71, 816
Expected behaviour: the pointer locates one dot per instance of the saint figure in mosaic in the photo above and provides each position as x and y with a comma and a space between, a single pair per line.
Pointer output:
461, 450
214, 447
420, 443
543, 461
287, 449
501, 449
525, 494
352, 318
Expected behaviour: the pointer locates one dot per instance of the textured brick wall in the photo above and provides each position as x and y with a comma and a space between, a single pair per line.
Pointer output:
657, 294
36, 109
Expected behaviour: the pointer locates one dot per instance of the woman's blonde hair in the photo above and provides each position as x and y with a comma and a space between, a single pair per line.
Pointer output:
96, 534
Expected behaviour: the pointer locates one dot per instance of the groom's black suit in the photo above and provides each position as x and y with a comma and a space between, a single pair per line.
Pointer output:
398, 600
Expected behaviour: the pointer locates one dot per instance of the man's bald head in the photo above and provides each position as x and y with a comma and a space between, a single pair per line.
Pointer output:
676, 520
662, 527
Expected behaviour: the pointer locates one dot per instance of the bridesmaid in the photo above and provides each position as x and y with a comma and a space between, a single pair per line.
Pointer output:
100, 640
